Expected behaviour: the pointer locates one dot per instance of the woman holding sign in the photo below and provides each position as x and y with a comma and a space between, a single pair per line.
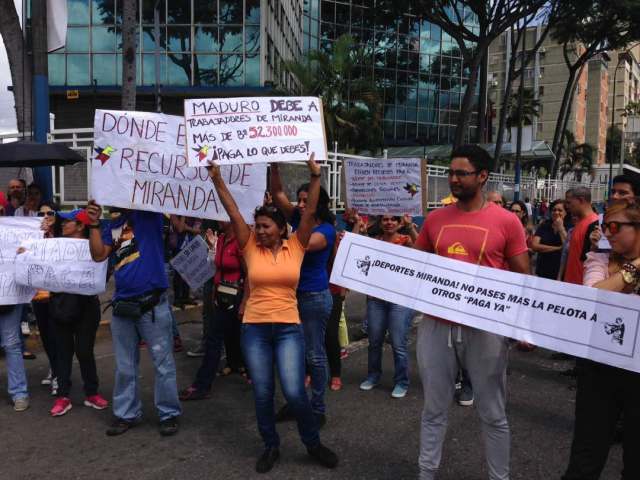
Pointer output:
314, 298
272, 335
604, 392
383, 316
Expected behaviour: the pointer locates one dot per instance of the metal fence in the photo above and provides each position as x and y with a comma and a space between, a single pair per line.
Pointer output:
71, 183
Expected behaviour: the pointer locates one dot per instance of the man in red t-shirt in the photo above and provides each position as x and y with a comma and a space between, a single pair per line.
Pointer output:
476, 231
579, 205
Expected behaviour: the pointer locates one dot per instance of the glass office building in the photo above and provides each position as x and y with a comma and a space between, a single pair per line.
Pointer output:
419, 66
202, 43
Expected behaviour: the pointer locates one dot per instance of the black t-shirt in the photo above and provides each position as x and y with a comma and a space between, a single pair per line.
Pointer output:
548, 264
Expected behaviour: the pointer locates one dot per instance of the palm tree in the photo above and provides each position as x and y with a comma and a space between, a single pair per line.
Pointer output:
577, 158
530, 108
350, 97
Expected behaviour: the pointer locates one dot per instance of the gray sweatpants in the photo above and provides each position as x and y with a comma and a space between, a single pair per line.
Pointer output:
484, 356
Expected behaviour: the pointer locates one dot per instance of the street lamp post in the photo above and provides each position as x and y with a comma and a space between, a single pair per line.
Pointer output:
156, 54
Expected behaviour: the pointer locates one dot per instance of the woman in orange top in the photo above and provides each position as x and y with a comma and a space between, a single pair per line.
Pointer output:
271, 331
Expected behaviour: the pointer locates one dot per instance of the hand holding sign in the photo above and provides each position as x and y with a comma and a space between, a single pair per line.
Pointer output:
94, 212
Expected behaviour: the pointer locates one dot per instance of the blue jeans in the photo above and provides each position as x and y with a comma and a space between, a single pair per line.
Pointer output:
266, 345
314, 309
155, 330
11, 341
396, 319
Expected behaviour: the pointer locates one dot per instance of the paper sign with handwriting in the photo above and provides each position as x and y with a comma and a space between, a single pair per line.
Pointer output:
379, 186
60, 265
13, 231
254, 129
193, 263
139, 162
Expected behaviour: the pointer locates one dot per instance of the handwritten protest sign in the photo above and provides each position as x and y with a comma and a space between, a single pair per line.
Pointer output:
193, 264
254, 129
13, 231
60, 265
139, 162
582, 321
394, 186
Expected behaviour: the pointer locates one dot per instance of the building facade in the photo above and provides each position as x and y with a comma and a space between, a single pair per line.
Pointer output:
419, 66
205, 48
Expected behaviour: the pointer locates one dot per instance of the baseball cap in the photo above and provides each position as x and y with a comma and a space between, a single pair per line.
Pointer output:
79, 215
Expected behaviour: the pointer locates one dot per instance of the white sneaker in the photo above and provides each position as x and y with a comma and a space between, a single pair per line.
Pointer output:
24, 326
47, 379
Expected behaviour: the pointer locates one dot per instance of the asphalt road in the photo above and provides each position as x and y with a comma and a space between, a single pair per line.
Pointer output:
376, 437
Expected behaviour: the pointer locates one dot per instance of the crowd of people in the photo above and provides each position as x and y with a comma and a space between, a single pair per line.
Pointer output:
271, 308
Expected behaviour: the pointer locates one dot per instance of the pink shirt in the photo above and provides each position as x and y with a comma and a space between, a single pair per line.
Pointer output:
596, 268
488, 237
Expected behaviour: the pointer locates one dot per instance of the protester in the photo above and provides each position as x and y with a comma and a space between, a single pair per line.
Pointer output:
605, 392
497, 198
578, 201
548, 240
76, 318
190, 229
544, 208
624, 187
224, 324
529, 208
332, 337
475, 231
31, 204
140, 309
40, 305
388, 317
16, 194
313, 295
271, 332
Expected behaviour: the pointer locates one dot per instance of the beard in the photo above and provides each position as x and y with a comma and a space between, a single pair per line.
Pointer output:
464, 194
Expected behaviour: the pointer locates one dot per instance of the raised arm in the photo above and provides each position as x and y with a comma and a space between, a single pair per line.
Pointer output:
240, 227
308, 220
99, 251
277, 192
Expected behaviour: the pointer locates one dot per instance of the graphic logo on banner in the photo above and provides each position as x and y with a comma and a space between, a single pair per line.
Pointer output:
600, 325
364, 265
254, 129
412, 189
616, 330
141, 163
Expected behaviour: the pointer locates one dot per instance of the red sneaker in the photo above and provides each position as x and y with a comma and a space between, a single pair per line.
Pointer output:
336, 384
96, 401
61, 406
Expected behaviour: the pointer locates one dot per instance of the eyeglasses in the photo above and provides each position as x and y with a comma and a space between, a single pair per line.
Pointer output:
461, 173
614, 227
50, 213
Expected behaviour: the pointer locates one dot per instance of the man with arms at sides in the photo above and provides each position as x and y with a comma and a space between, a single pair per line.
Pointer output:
476, 231
579, 204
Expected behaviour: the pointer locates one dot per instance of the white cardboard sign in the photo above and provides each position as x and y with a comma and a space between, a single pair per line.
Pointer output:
193, 263
139, 162
378, 187
13, 231
254, 129
60, 265
582, 321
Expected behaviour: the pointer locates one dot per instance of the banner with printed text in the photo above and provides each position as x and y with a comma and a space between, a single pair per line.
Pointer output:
385, 186
582, 321
13, 231
139, 162
254, 129
60, 265
193, 263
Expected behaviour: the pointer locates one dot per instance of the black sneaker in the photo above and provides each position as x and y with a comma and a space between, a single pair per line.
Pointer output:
285, 414
323, 456
120, 425
321, 419
169, 427
267, 460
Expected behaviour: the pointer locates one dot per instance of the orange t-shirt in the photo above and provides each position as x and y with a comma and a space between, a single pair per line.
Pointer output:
273, 281
574, 270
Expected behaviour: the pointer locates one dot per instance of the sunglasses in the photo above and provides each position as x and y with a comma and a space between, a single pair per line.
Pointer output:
461, 173
614, 227
50, 213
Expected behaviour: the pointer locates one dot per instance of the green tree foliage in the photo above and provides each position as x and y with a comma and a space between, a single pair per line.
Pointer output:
577, 158
530, 108
350, 97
